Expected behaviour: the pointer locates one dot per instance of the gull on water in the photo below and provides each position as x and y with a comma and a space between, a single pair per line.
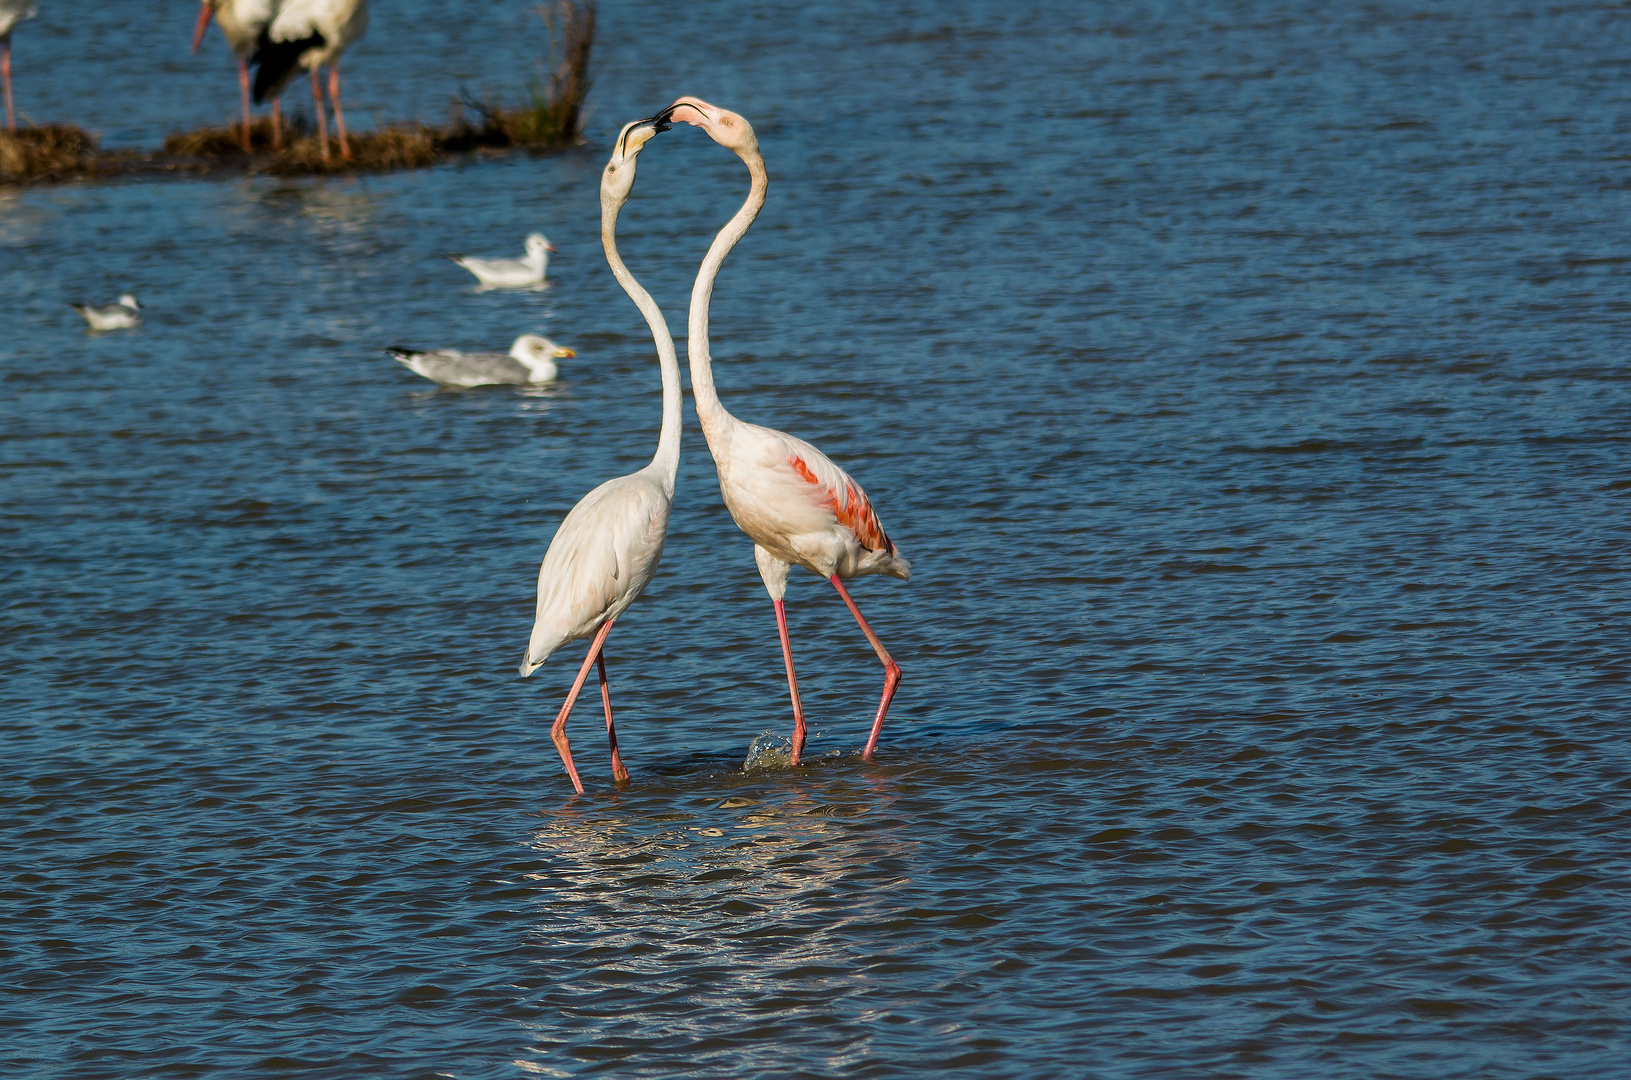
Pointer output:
531, 361
511, 273
121, 316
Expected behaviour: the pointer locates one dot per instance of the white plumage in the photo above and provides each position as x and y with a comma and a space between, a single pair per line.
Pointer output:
242, 22
118, 316
798, 507
531, 269
608, 547
12, 12
309, 34
531, 361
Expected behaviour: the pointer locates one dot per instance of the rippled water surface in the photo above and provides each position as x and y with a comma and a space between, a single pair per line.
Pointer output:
1247, 383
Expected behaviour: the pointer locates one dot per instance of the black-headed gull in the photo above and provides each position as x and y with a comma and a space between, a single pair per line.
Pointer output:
531, 361
511, 273
121, 316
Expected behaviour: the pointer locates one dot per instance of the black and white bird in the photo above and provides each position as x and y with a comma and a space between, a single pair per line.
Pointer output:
309, 34
120, 316
531, 361
12, 12
242, 22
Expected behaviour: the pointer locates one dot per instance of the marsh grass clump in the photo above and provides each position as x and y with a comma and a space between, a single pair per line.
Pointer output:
229, 141
399, 146
54, 151
554, 115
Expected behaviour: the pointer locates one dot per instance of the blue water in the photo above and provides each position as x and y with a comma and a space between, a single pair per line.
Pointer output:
1247, 384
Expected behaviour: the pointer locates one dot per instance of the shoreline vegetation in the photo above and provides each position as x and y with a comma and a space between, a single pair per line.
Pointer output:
551, 120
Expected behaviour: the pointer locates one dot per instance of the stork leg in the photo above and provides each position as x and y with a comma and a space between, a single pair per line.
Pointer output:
243, 87
339, 114
792, 683
5, 75
277, 124
558, 733
891, 670
619, 773
322, 119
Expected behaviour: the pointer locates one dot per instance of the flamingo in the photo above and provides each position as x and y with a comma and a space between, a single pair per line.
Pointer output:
309, 34
12, 12
241, 23
607, 548
531, 361
797, 506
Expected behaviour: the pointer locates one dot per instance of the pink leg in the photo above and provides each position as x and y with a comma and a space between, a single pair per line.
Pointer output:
339, 115
558, 732
891, 670
5, 72
277, 124
792, 683
619, 773
322, 119
243, 86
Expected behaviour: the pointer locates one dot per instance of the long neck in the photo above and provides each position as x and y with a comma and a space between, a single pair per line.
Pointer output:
667, 459
709, 410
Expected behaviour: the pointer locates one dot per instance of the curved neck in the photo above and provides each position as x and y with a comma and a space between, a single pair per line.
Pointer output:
667, 459
709, 410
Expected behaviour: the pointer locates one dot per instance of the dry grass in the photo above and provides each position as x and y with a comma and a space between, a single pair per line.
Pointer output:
554, 117
400, 146
228, 141
52, 152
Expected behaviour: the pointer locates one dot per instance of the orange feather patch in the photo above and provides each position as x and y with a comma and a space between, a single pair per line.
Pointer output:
853, 512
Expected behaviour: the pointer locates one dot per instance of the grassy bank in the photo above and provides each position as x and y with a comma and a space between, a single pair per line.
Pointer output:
551, 119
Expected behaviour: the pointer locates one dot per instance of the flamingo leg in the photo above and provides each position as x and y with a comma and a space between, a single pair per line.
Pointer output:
339, 114
322, 117
243, 87
5, 74
619, 773
557, 733
891, 670
277, 124
792, 682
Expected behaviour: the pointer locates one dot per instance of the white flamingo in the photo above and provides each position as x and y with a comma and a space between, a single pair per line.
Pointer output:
607, 548
241, 23
529, 269
309, 34
531, 361
798, 507
12, 12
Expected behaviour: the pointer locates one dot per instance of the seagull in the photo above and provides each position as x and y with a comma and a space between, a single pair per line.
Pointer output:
121, 316
511, 273
12, 12
531, 361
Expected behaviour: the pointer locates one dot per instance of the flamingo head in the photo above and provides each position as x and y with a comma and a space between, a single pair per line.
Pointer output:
617, 179
728, 129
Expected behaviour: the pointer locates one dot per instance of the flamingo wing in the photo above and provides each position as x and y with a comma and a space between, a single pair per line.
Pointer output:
826, 486
602, 556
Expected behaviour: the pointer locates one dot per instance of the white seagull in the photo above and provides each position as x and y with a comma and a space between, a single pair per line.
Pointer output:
511, 273
309, 34
12, 12
121, 316
607, 549
531, 361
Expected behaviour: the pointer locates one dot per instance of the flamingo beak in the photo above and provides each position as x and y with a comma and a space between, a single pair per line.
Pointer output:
203, 24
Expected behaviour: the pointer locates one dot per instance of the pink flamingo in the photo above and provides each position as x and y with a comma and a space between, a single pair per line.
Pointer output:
607, 548
797, 506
